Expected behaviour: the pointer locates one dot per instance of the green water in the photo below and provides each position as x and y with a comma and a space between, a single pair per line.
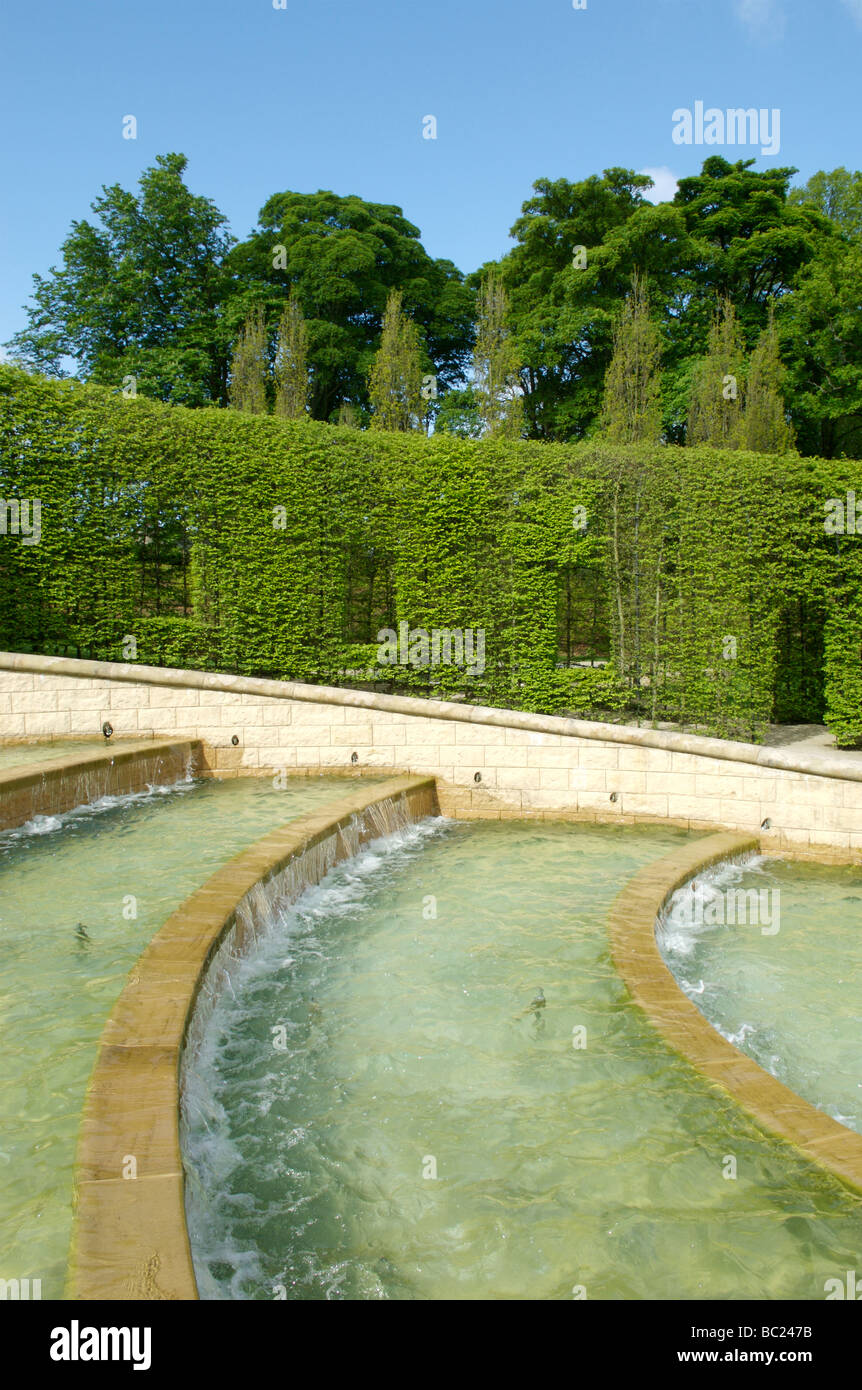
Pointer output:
67, 941
410, 1046
21, 754
785, 988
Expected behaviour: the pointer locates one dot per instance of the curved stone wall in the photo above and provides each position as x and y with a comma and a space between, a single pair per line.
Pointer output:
632, 923
487, 762
130, 1237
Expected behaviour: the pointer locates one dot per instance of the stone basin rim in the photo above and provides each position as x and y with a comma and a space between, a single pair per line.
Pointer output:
632, 922
130, 1239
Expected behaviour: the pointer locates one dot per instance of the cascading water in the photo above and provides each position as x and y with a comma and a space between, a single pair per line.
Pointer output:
269, 900
81, 894
28, 791
85, 810
770, 951
380, 1103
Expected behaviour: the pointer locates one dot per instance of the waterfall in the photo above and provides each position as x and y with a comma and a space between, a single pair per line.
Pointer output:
272, 895
55, 788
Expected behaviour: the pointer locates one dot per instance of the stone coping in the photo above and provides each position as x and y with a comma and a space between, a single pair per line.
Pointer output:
50, 788
130, 1239
632, 922
811, 764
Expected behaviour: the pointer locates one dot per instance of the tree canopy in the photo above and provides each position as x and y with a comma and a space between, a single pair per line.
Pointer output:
156, 288
340, 258
139, 293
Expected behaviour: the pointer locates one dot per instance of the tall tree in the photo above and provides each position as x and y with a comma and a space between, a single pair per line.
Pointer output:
562, 326
631, 410
754, 241
821, 335
291, 363
395, 378
748, 245
718, 382
765, 428
496, 362
139, 293
340, 257
248, 368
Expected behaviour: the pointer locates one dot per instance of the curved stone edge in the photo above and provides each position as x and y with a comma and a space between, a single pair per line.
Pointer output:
731, 750
129, 1239
50, 788
631, 924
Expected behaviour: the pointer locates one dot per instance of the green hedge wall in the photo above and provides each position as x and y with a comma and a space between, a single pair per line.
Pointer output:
682, 586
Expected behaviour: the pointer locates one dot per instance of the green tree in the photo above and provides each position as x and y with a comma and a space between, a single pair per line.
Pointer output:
753, 240
821, 335
631, 410
248, 368
138, 293
765, 428
395, 378
563, 327
341, 257
496, 362
748, 245
291, 363
718, 379
458, 414
731, 232
656, 245
838, 195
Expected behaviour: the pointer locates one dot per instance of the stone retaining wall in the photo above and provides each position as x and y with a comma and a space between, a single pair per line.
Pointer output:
488, 762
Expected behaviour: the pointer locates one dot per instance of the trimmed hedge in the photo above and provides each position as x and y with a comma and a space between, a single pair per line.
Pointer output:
218, 540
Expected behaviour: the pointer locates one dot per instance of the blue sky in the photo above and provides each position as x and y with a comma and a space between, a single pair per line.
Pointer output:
332, 94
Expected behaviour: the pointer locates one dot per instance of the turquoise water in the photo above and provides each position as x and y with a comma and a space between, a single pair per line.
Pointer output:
783, 980
81, 895
382, 1109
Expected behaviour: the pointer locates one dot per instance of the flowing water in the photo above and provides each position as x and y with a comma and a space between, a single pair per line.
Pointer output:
381, 1106
81, 895
771, 952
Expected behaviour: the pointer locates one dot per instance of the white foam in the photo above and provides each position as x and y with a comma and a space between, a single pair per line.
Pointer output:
285, 939
682, 922
47, 825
